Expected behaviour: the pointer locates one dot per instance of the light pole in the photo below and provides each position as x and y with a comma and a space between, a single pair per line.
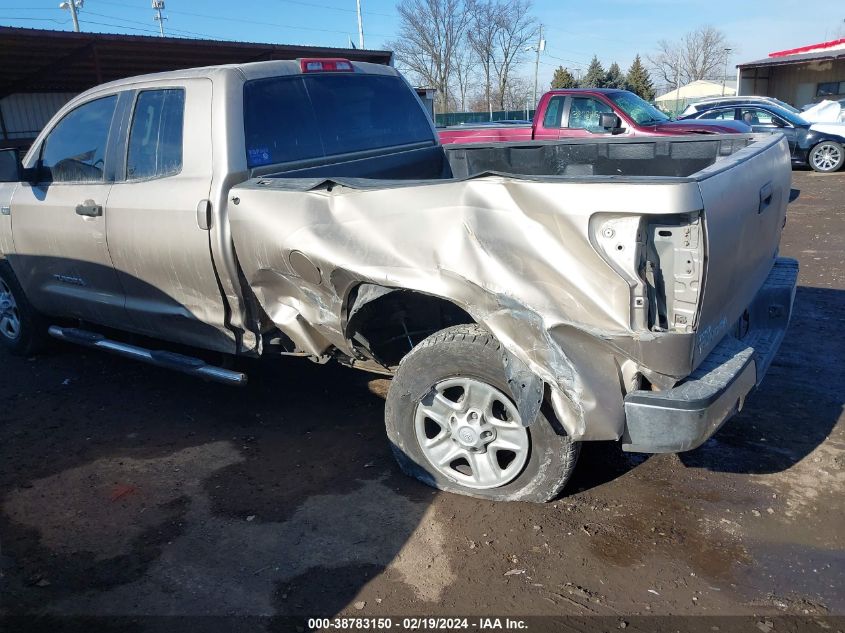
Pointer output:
360, 25
73, 6
725, 74
158, 7
677, 85
541, 46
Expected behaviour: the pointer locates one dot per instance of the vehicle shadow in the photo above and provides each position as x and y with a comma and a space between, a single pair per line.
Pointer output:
162, 495
799, 402
131, 491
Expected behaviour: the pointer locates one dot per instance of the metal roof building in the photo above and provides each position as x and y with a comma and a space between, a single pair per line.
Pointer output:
41, 70
798, 76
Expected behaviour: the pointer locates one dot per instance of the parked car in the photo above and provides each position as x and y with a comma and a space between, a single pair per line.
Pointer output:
564, 299
587, 113
710, 102
819, 145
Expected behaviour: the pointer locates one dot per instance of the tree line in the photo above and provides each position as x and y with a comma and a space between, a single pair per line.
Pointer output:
637, 79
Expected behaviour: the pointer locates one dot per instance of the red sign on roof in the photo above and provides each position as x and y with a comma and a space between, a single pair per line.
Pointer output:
812, 48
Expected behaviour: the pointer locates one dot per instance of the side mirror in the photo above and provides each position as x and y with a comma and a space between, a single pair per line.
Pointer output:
609, 121
11, 168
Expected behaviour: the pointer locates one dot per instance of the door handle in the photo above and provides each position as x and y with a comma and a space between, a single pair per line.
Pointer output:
89, 209
766, 194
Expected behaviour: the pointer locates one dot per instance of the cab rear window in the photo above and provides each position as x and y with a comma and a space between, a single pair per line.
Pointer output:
312, 116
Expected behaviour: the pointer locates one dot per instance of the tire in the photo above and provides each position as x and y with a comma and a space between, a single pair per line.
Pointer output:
452, 364
826, 157
23, 331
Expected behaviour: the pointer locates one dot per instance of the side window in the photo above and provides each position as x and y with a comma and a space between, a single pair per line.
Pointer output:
553, 112
753, 116
75, 149
719, 115
830, 88
155, 137
584, 114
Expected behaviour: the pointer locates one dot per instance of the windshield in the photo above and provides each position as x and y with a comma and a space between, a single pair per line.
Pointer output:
641, 111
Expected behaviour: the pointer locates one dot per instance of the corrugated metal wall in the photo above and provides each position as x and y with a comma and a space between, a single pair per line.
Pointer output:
795, 83
25, 114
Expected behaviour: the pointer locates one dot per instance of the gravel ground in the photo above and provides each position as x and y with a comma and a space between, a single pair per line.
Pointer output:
128, 491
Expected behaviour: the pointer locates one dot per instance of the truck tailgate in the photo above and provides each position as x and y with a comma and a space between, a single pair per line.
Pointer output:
744, 199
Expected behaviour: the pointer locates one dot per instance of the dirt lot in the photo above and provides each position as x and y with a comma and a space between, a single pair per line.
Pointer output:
128, 490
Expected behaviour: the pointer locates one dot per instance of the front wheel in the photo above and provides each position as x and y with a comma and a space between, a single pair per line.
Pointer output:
22, 329
827, 157
453, 424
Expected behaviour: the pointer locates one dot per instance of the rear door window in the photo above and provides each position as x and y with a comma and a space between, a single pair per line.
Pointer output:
75, 149
311, 116
553, 112
719, 115
155, 137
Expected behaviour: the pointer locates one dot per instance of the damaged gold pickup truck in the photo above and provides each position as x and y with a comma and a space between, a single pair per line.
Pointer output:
524, 297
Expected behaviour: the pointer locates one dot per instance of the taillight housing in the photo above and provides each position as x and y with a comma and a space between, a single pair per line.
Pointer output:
661, 257
325, 65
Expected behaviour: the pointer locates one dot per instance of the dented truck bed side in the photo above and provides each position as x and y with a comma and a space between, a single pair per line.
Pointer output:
551, 265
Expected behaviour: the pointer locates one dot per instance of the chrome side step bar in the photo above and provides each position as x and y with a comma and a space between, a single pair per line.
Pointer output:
159, 358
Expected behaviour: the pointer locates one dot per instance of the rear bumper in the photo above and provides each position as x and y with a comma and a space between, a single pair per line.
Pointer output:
682, 418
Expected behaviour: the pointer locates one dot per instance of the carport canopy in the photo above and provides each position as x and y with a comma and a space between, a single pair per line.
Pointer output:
36, 60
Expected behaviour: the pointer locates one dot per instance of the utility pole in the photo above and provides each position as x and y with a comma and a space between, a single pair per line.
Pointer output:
541, 46
678, 85
360, 25
158, 7
725, 75
73, 6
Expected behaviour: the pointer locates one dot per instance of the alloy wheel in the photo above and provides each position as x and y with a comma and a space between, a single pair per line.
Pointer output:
10, 321
472, 432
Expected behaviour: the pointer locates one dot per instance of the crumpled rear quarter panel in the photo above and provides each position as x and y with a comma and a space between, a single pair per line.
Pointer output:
515, 254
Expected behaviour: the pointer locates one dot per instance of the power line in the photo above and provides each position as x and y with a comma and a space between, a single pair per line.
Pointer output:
135, 28
6, 17
114, 17
298, 2
201, 15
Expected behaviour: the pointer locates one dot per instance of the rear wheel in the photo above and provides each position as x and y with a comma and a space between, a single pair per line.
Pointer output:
453, 424
22, 330
827, 156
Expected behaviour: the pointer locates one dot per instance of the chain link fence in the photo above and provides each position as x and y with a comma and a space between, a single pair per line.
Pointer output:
457, 118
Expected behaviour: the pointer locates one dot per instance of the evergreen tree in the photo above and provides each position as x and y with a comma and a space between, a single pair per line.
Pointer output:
563, 79
639, 81
595, 76
615, 78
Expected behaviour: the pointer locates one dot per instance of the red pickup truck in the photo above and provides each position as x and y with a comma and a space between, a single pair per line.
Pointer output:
586, 112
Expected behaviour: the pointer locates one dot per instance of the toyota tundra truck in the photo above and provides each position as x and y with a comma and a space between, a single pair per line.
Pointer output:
524, 298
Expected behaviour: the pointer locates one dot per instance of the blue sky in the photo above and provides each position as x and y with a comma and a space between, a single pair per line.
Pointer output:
615, 30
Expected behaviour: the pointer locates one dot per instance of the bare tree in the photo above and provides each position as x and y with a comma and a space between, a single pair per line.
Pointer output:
517, 27
519, 93
465, 72
430, 32
482, 34
700, 54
